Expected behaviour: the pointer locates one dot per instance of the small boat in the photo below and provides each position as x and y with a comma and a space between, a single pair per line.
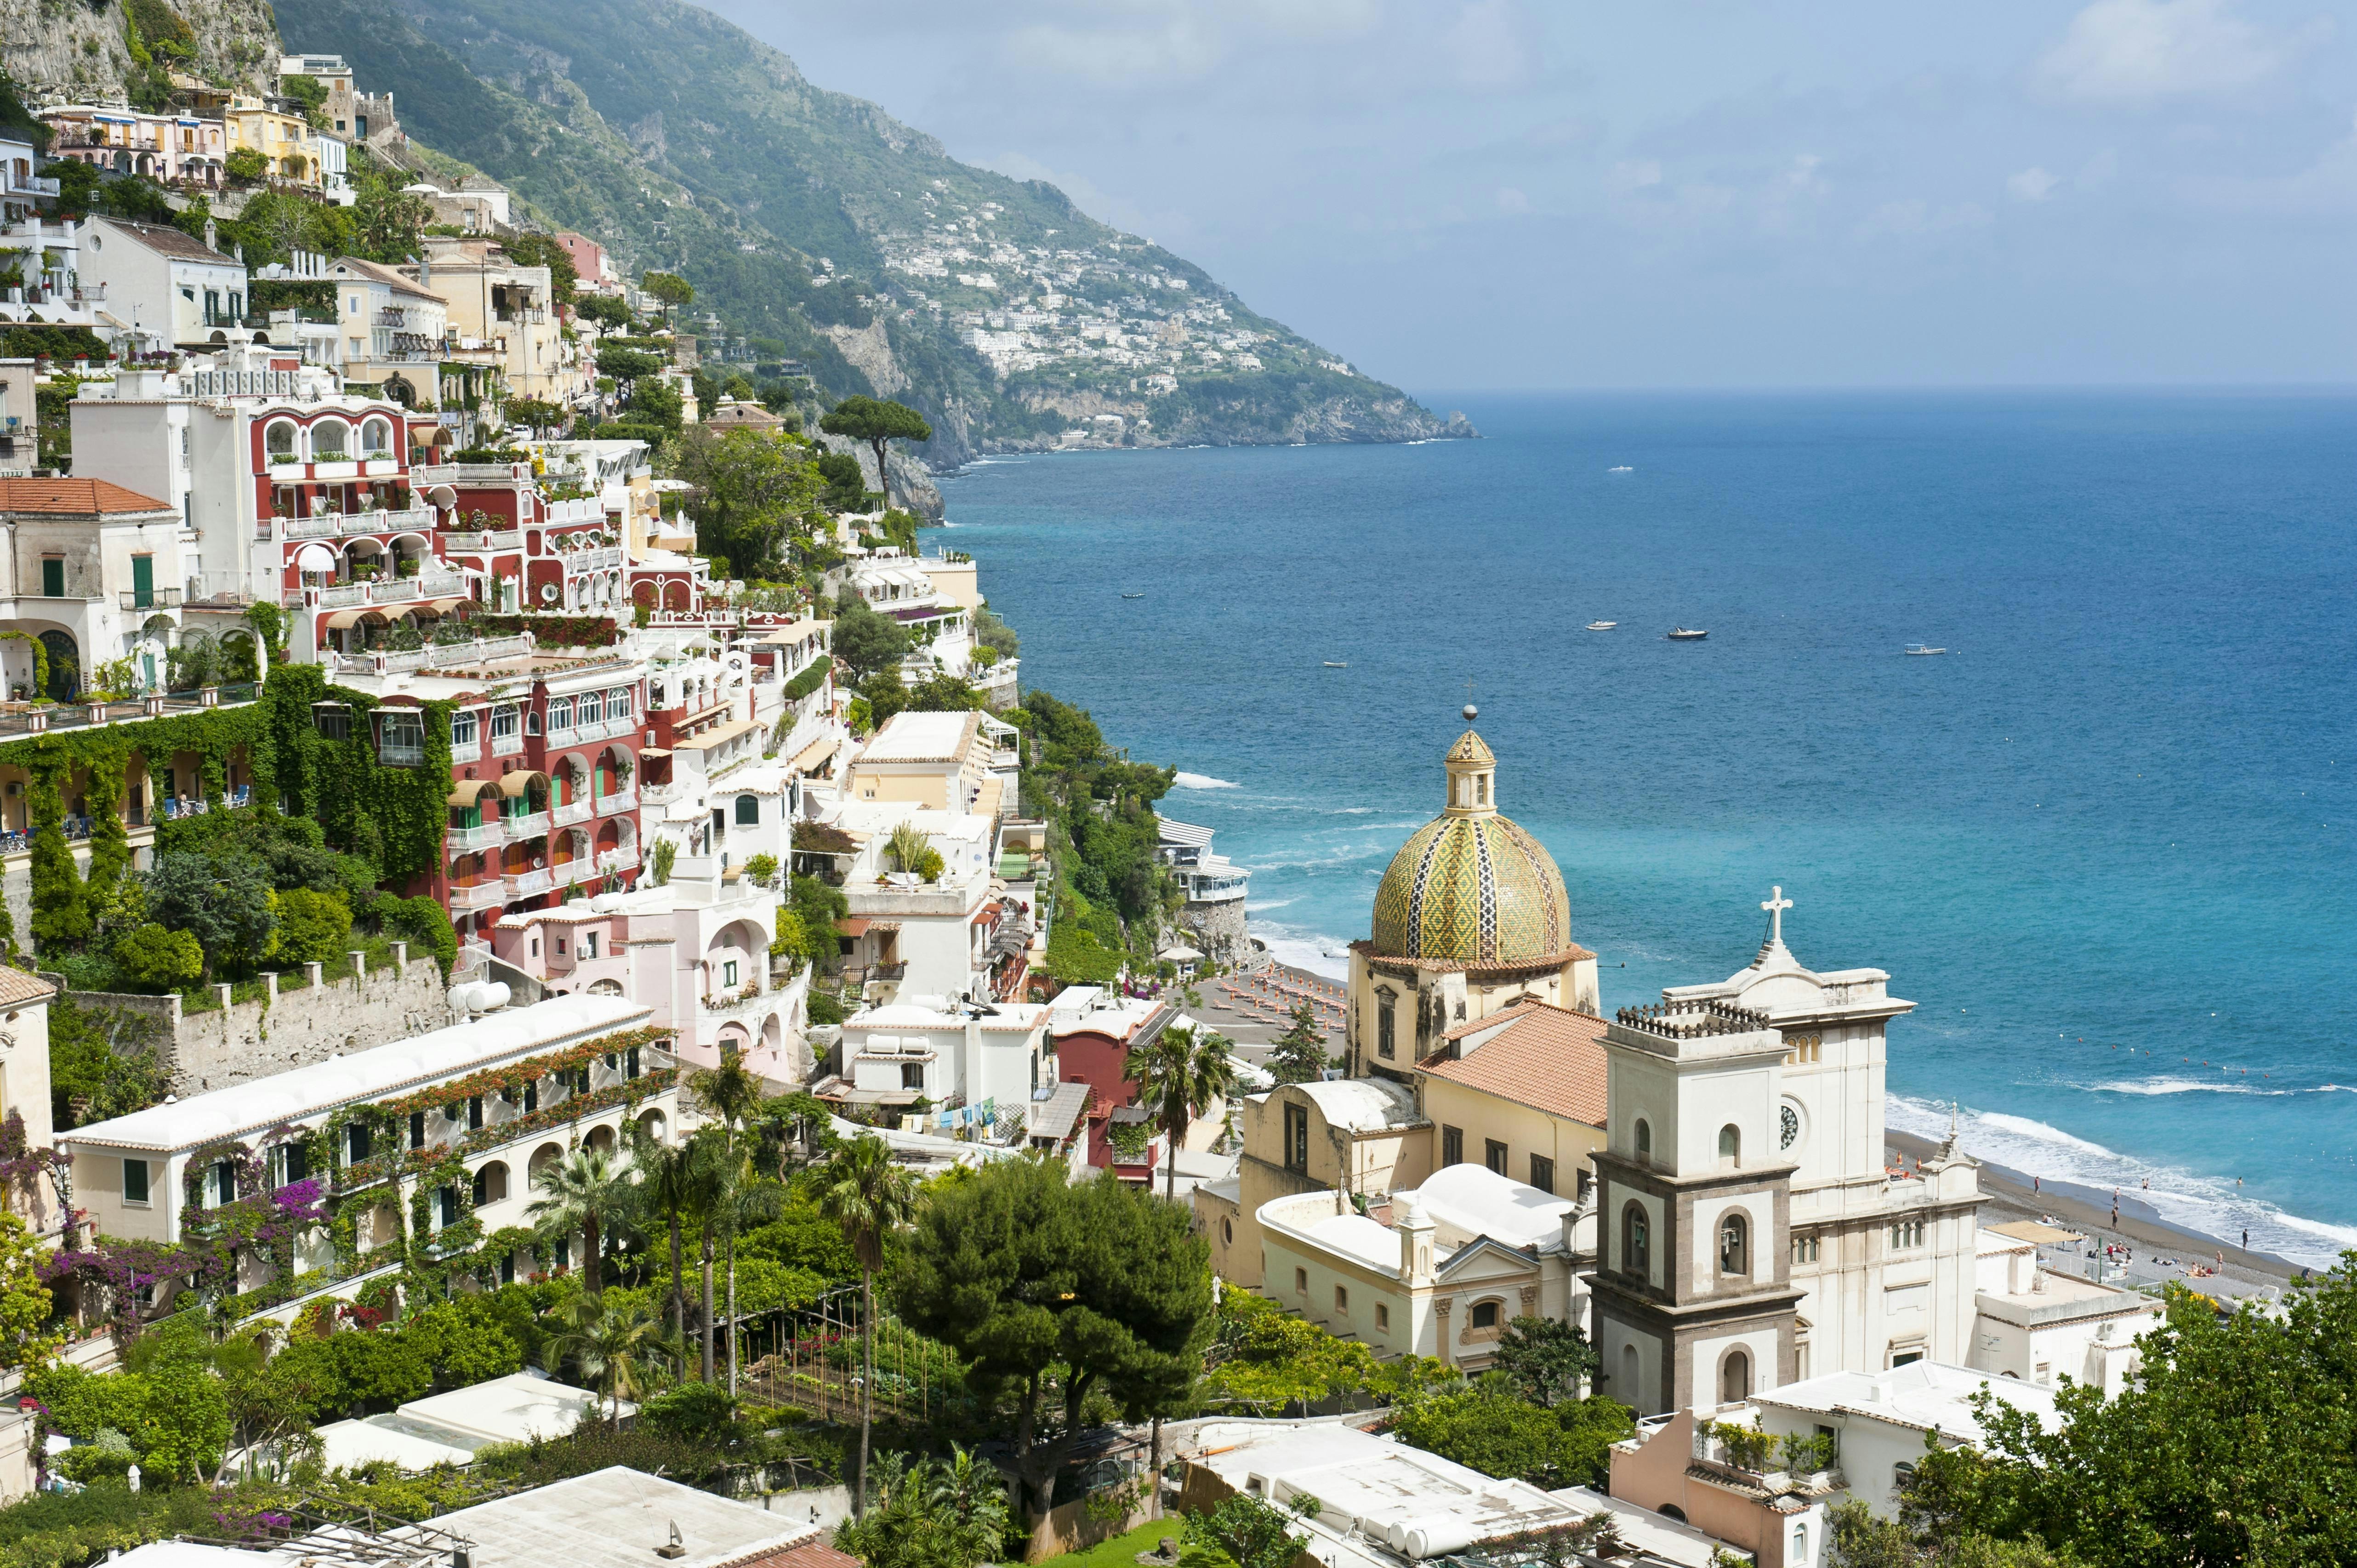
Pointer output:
1133, 595
1681, 634
1917, 651
1602, 625
1623, 468
1336, 664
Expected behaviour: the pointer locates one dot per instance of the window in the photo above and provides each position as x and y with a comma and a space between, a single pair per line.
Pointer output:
462, 729
1804, 1249
1644, 1140
1906, 1357
1296, 1139
912, 1076
224, 1181
143, 582
588, 712
446, 1201
1452, 1145
417, 1129
1735, 1378
1485, 1315
630, 1062
328, 442
1383, 1315
1543, 1173
333, 720
53, 577
1636, 1249
618, 703
1301, 1282
504, 724
1493, 1155
1733, 1246
1788, 1127
588, 944
749, 810
560, 714
134, 1181
288, 1163
278, 442
1800, 1554
401, 738
728, 971
560, 947
1907, 1233
474, 1112
1342, 1299
376, 438
1902, 1476
1386, 1026
356, 1144
532, 721
1730, 1145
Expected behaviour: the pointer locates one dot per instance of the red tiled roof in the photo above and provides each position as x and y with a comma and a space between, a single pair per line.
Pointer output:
1547, 1057
18, 989
75, 497
812, 1553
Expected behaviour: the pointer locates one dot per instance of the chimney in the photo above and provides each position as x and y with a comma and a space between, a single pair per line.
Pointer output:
212, 238
1414, 1228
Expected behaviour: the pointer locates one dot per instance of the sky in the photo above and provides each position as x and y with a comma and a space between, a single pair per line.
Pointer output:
1503, 196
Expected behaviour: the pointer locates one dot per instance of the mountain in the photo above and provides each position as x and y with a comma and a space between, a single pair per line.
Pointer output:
816, 221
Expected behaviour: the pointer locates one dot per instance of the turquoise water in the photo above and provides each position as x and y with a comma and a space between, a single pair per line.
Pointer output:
2104, 844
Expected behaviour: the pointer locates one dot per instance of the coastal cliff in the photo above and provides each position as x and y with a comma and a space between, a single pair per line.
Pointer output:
837, 239
65, 49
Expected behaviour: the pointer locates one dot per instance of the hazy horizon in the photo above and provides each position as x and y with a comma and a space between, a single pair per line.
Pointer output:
1696, 195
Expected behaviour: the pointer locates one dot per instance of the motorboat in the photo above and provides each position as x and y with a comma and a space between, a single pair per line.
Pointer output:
1602, 625
1917, 651
1336, 664
1133, 595
1681, 634
1623, 468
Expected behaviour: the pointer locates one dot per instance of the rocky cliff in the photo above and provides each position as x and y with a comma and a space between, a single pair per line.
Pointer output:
74, 49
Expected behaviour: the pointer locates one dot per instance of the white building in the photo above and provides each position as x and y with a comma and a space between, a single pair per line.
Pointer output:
392, 329
87, 572
164, 283
950, 1053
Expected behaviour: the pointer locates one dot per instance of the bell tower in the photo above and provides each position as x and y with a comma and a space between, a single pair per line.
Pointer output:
1693, 1304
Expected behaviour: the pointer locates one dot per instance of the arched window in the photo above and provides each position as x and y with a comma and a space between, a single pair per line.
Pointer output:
1733, 1246
1485, 1315
1735, 1378
1644, 1139
1800, 1554
376, 438
327, 441
1633, 1376
749, 810
278, 442
1636, 1239
1902, 1475
1730, 1145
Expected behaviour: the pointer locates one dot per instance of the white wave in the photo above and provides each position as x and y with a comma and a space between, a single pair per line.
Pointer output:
1203, 781
2182, 1086
2204, 1204
1306, 949
1254, 906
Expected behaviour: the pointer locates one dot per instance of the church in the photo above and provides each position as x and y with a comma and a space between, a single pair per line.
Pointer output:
1700, 1183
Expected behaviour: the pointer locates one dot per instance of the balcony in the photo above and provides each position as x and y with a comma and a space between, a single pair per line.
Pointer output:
661, 794
149, 598
459, 841
530, 883
506, 744
620, 801
526, 825
617, 860
466, 750
579, 561
481, 895
570, 812
482, 539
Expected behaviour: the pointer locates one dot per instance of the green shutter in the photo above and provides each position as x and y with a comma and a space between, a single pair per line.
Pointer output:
143, 581
53, 579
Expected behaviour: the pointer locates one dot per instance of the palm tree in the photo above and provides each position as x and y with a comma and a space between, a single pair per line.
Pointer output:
745, 1202
1179, 1075
869, 1196
709, 1154
582, 1191
615, 1347
669, 1189
731, 1091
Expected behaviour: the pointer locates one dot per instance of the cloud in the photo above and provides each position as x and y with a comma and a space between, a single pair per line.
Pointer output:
2130, 52
1636, 174
1512, 200
1493, 45
2032, 184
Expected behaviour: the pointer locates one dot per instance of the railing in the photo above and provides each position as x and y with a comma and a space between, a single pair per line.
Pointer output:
619, 801
383, 591
477, 473
594, 560
526, 825
530, 882
617, 860
481, 539
149, 598
465, 751
570, 812
506, 744
481, 896
661, 794
460, 840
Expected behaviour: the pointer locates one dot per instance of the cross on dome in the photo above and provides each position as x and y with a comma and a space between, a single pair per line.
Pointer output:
1776, 905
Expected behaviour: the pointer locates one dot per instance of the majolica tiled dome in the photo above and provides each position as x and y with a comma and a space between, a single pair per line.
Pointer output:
1470, 887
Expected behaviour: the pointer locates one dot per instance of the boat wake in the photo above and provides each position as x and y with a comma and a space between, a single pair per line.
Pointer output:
1203, 781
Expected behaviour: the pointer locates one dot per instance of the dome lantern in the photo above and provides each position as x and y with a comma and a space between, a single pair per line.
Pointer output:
1472, 774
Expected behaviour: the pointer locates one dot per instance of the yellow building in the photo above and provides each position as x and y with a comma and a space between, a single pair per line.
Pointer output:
1471, 917
1521, 1091
289, 148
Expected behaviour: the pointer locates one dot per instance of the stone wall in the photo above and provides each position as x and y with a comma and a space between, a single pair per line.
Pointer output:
1218, 930
274, 1033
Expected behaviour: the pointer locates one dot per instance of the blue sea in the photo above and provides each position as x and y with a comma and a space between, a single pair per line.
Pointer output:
2105, 843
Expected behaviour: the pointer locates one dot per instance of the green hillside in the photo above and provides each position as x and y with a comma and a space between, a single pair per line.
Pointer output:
816, 220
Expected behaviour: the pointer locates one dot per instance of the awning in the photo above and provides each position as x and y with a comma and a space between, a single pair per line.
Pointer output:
653, 751
814, 753
468, 792
314, 557
342, 618
852, 925
883, 927
512, 785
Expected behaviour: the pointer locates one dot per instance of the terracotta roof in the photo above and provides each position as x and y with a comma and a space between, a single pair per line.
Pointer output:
165, 239
354, 266
74, 497
18, 989
812, 1553
1547, 1057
